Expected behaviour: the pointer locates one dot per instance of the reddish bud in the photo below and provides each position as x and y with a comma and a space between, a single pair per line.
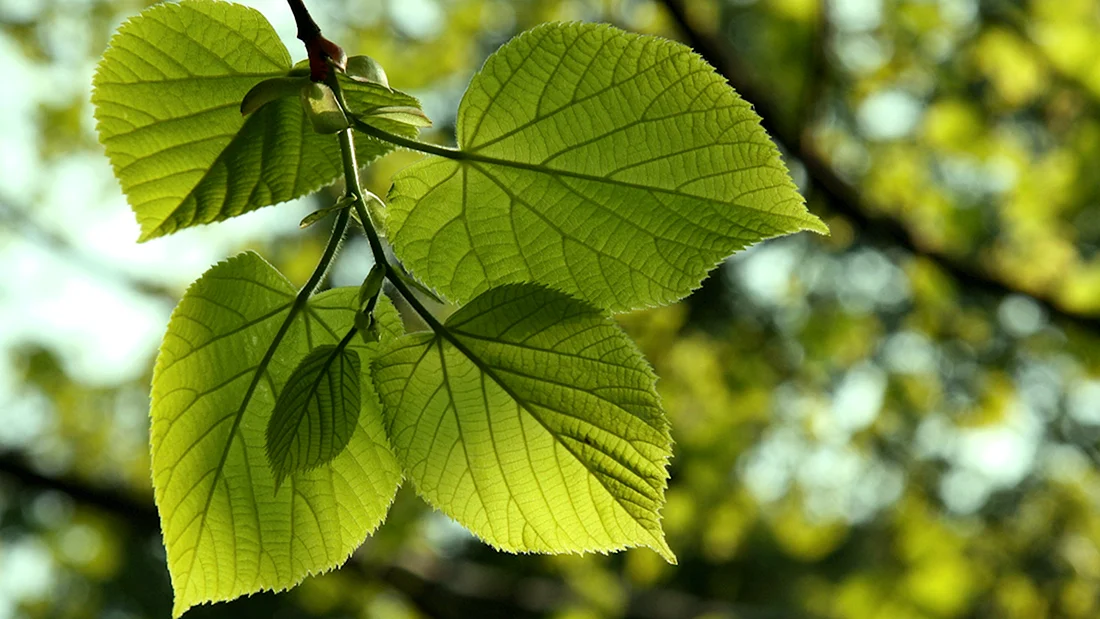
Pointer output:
320, 51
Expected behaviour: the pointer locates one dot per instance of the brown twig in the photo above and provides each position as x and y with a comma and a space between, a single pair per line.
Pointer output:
320, 50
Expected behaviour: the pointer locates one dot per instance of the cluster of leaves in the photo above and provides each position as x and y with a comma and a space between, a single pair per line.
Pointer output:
596, 172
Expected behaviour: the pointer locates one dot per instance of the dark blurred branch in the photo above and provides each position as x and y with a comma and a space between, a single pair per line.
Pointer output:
17, 219
443, 588
131, 508
817, 65
458, 589
843, 197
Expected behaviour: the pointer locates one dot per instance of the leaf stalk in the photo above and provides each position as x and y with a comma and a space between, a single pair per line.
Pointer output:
331, 249
355, 189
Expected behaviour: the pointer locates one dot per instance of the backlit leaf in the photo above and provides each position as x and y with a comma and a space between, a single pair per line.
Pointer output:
316, 413
167, 100
227, 531
614, 166
533, 422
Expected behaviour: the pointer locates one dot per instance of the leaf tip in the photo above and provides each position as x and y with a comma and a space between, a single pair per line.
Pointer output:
662, 548
153, 227
180, 606
814, 224
280, 477
147, 235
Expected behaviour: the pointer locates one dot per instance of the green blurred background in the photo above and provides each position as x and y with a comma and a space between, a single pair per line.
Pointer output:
901, 420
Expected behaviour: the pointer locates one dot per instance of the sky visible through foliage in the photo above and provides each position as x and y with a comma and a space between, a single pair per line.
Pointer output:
899, 420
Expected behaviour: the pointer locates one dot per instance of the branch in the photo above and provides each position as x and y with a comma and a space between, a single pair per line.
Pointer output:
307, 28
843, 197
130, 507
443, 588
319, 49
18, 219
817, 64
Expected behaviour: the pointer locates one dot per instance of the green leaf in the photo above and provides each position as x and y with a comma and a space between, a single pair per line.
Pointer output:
167, 97
271, 90
367, 327
316, 413
226, 530
322, 109
319, 214
402, 114
372, 284
531, 419
366, 69
614, 166
416, 285
375, 104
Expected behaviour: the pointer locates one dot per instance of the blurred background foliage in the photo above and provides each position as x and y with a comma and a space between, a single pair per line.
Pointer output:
898, 421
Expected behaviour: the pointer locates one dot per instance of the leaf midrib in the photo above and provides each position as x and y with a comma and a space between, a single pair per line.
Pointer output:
163, 225
443, 332
312, 394
573, 102
462, 156
260, 371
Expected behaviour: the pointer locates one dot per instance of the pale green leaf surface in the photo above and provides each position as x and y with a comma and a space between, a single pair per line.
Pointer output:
614, 166
167, 96
366, 69
535, 424
379, 105
226, 530
316, 413
272, 89
322, 109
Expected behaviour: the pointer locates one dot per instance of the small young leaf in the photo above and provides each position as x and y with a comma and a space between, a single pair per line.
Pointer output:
316, 412
419, 287
367, 327
167, 97
366, 69
533, 421
371, 285
399, 113
320, 214
374, 104
270, 90
227, 532
321, 108
377, 210
614, 166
